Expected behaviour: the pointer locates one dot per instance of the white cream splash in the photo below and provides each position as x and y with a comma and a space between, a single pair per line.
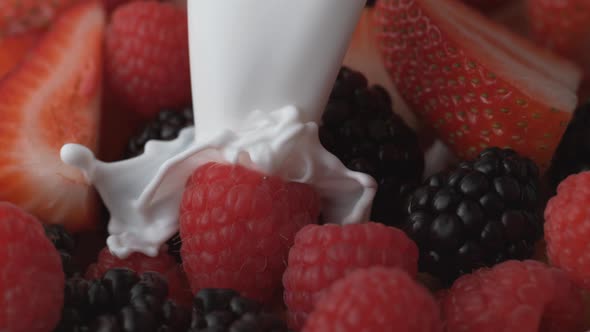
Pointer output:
261, 74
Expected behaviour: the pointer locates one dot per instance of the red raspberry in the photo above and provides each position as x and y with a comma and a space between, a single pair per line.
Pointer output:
519, 296
567, 228
147, 57
237, 225
375, 299
164, 264
31, 276
324, 254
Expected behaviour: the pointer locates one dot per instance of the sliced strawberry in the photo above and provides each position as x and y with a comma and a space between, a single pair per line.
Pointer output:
486, 4
563, 26
14, 49
17, 16
473, 81
53, 98
111, 5
363, 55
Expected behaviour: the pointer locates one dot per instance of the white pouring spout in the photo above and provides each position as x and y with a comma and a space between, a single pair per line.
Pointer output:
265, 54
261, 71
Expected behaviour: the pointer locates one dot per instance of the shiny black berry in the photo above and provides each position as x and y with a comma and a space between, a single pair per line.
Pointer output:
224, 310
166, 126
65, 244
483, 212
121, 301
361, 129
573, 153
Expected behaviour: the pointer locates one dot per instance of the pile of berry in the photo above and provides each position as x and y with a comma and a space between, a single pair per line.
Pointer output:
497, 242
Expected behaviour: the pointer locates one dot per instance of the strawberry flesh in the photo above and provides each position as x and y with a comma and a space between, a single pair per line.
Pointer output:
474, 82
18, 16
51, 99
14, 49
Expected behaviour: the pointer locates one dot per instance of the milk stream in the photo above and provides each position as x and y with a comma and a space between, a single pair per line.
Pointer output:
261, 75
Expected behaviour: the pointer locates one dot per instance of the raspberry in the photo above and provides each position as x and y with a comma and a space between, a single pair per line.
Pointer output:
31, 278
376, 299
525, 296
147, 56
323, 254
566, 228
236, 227
163, 264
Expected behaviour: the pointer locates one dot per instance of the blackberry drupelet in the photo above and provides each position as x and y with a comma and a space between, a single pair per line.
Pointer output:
484, 212
361, 129
166, 126
224, 310
65, 244
121, 301
573, 153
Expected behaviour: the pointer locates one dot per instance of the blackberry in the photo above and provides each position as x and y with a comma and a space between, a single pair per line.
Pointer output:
483, 212
370, 3
65, 244
121, 301
166, 126
225, 310
573, 153
361, 129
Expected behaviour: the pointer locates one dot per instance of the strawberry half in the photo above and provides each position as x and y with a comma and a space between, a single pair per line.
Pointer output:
473, 81
17, 16
53, 98
563, 26
14, 49
486, 4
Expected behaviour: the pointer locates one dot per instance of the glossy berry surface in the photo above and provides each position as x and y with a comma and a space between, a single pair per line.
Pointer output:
166, 265
361, 129
376, 299
121, 300
484, 212
164, 127
323, 254
65, 244
225, 310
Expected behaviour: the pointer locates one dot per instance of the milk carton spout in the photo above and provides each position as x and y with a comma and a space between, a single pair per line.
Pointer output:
265, 54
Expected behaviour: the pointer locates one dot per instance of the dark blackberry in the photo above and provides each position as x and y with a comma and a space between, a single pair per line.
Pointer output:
370, 3
121, 301
573, 153
65, 244
166, 126
224, 310
361, 129
485, 211
174, 245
